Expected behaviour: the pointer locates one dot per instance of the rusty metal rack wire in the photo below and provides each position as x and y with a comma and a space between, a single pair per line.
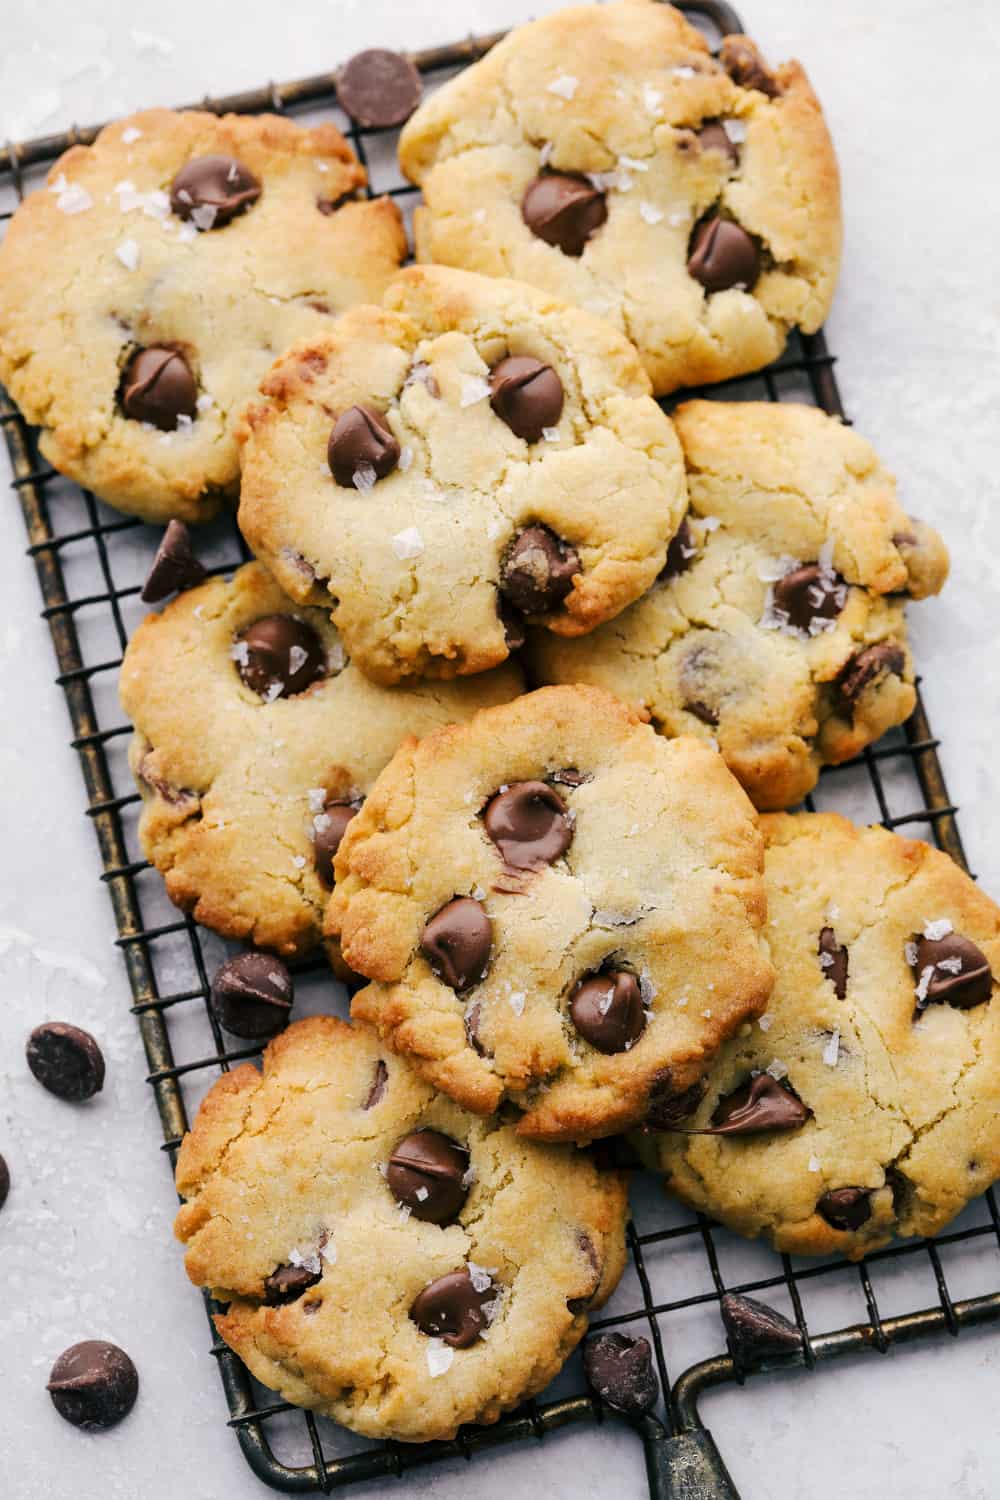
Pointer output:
90, 564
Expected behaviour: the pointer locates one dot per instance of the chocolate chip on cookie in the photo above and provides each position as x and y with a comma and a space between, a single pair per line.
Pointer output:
723, 255
287, 1283
212, 190
846, 1207
530, 824
538, 572
455, 1308
680, 553
607, 1010
883, 659
833, 961
379, 89
66, 1061
762, 1103
329, 828
457, 942
362, 448
279, 656
379, 1084
564, 209
175, 567
950, 969
93, 1385
252, 995
743, 62
527, 395
158, 387
715, 137
620, 1370
808, 596
427, 1173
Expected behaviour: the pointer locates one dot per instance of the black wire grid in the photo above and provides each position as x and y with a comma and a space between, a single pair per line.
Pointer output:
90, 563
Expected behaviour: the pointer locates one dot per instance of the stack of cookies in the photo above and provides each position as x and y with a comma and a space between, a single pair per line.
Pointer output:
559, 911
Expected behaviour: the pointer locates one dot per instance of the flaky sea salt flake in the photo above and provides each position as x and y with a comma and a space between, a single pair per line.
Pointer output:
480, 1277
831, 1051
649, 213
651, 98
439, 1357
405, 458
565, 86
364, 478
129, 254
736, 130
408, 543
71, 197
814, 1163
130, 135
776, 1068
765, 1022
474, 390
939, 928
204, 215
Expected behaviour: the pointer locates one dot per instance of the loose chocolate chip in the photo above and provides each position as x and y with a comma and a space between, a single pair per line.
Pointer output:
4, 1181
833, 961
713, 137
66, 1061
762, 1103
379, 1084
667, 1108
379, 88
680, 553
527, 395
252, 996
426, 1172
175, 566
362, 448
538, 572
328, 831
884, 659
723, 255
957, 971
457, 942
212, 190
564, 210
287, 1284
808, 594
746, 67
451, 1308
279, 656
756, 1331
158, 387
620, 1370
607, 1010
530, 825
845, 1208
513, 626
472, 1018
93, 1385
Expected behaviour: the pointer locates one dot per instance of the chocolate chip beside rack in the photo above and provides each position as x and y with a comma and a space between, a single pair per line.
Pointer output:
252, 996
620, 1370
378, 88
66, 1061
175, 566
93, 1385
757, 1331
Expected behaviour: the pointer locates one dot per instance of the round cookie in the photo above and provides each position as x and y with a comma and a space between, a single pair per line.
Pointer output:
246, 792
603, 155
777, 627
866, 1102
558, 908
388, 1259
472, 455
145, 291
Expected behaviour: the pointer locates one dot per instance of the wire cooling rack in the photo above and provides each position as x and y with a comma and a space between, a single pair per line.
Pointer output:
90, 563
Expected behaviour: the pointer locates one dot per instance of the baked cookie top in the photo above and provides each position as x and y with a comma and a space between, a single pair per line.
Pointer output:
389, 1259
557, 908
147, 288
866, 1102
256, 741
603, 154
475, 450
776, 628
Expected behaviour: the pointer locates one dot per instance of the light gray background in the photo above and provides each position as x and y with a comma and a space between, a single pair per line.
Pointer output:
85, 1242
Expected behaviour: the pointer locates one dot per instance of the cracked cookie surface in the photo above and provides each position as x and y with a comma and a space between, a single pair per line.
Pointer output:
596, 152
788, 508
558, 908
386, 477
880, 1070
321, 1207
105, 262
241, 792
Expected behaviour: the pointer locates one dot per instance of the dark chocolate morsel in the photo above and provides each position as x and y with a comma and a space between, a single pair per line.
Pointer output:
426, 1172
756, 1331
361, 441
527, 395
252, 995
66, 1061
607, 1010
580, 1304
569, 776
158, 387
379, 88
530, 825
175, 566
451, 1308
379, 1084
564, 209
93, 1385
212, 190
959, 971
472, 1016
762, 1103
457, 942
538, 571
680, 552
713, 137
4, 1181
884, 659
745, 66
620, 1370
279, 656
723, 255
835, 965
513, 626
810, 593
329, 828
287, 1283
846, 1207
667, 1108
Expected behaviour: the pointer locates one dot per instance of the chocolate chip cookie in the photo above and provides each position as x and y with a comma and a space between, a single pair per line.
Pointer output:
439, 471
604, 155
145, 290
865, 1103
776, 628
558, 908
256, 742
388, 1259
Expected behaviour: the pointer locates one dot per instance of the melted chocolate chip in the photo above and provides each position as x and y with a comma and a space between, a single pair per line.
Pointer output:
379, 88
564, 210
701, 678
607, 1011
175, 566
884, 659
808, 594
745, 66
578, 1305
667, 1108
846, 1207
835, 966
723, 255
4, 1181
158, 387
530, 825
328, 831
538, 571
527, 395
287, 1283
457, 942
959, 971
380, 1083
252, 996
713, 137
361, 446
472, 1017
762, 1103
279, 656
213, 190
756, 1331
570, 776
451, 1308
93, 1385
513, 625
426, 1172
620, 1370
680, 553
66, 1061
